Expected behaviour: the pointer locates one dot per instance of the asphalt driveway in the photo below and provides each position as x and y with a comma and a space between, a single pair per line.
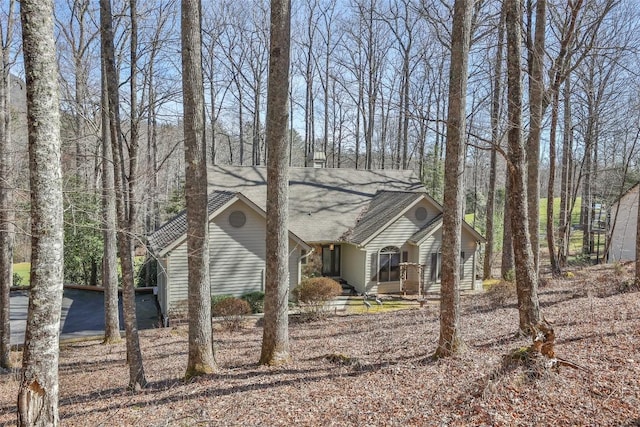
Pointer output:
82, 313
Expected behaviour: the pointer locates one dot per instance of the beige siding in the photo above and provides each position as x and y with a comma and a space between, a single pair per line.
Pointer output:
177, 278
354, 259
433, 245
237, 255
397, 235
623, 236
236, 258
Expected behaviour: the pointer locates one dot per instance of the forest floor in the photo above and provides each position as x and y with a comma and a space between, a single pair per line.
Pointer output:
375, 369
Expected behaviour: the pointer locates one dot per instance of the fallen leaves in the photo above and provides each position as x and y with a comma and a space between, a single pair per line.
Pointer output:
373, 369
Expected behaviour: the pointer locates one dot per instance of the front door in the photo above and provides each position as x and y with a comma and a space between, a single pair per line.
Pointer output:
331, 260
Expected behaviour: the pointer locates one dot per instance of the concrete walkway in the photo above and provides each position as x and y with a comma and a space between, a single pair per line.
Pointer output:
82, 314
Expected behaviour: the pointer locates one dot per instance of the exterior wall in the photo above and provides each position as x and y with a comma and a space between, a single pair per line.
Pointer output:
237, 255
433, 245
623, 235
236, 260
397, 235
353, 266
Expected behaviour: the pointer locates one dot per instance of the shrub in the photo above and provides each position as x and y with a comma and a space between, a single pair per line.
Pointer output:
17, 280
255, 300
313, 293
232, 310
501, 293
215, 299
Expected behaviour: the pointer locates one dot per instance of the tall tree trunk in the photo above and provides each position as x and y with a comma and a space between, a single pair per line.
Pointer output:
450, 341
201, 359
125, 212
536, 97
526, 277
38, 392
109, 270
551, 243
495, 141
275, 339
6, 194
507, 267
564, 224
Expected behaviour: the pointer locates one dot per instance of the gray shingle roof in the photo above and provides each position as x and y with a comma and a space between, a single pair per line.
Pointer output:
384, 207
177, 226
324, 203
426, 229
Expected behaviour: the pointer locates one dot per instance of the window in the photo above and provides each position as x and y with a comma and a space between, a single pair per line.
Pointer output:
237, 219
389, 264
421, 214
436, 261
436, 266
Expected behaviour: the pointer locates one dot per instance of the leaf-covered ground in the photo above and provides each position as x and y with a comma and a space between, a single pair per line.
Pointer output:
375, 369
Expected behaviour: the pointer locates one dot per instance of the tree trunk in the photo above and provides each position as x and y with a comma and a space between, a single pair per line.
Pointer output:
125, 213
564, 224
526, 277
551, 243
201, 359
7, 214
507, 268
109, 270
38, 393
536, 96
495, 140
275, 339
450, 341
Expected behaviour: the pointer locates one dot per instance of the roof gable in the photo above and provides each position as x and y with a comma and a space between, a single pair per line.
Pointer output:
384, 208
174, 232
176, 228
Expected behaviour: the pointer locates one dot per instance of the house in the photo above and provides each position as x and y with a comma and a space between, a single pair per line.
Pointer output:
623, 226
377, 230
237, 252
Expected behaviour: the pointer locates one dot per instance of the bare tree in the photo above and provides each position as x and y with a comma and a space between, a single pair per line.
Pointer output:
38, 393
109, 269
496, 97
275, 339
125, 200
450, 341
6, 188
201, 360
526, 277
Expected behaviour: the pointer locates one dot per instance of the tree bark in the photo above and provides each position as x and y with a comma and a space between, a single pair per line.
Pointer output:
450, 341
495, 140
201, 358
275, 339
109, 257
6, 195
551, 241
536, 96
526, 277
564, 224
38, 393
125, 202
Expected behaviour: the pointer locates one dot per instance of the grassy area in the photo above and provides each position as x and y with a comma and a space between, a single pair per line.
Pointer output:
22, 269
355, 305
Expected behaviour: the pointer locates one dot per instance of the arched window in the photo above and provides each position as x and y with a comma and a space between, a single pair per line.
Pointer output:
389, 264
